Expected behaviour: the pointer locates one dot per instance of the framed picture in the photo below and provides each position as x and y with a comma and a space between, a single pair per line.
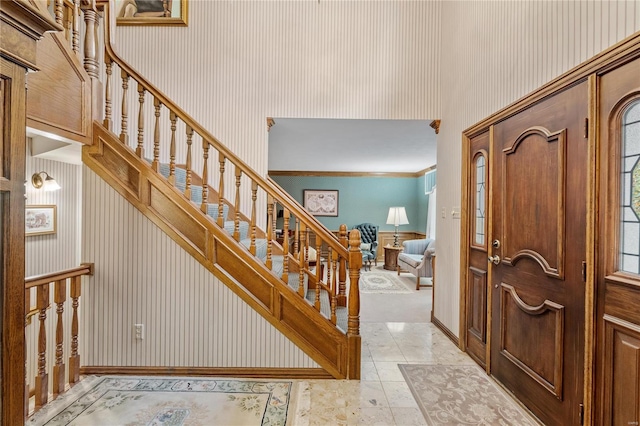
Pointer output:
151, 12
321, 202
40, 220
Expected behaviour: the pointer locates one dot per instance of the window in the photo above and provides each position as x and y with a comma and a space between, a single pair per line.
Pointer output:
629, 251
480, 200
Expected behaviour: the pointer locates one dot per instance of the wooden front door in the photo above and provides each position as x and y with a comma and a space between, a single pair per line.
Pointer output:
538, 231
477, 282
618, 278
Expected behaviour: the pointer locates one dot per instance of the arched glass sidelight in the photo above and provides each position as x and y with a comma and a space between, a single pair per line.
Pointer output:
480, 199
629, 251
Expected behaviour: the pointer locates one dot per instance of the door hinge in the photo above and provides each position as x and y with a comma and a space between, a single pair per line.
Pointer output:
584, 271
581, 414
586, 127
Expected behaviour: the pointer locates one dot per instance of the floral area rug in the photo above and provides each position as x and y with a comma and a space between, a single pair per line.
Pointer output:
126, 400
381, 282
461, 394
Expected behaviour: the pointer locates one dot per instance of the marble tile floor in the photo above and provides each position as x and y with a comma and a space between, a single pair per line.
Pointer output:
382, 396
402, 334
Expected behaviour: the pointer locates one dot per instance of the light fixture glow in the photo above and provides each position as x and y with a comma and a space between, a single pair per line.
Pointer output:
48, 183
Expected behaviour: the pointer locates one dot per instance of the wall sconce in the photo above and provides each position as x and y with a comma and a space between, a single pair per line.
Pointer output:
48, 183
397, 216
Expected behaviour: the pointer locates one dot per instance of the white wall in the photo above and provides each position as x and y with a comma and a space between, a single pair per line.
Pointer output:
494, 53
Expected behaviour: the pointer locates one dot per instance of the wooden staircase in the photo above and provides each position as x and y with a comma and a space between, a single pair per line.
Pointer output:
218, 223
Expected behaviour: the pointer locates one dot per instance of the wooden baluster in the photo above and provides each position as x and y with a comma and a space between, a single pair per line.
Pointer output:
140, 147
302, 266
187, 189
332, 292
156, 135
236, 219
296, 236
90, 60
27, 309
353, 321
275, 217
124, 136
107, 92
59, 11
342, 282
68, 23
319, 266
331, 266
285, 246
42, 379
254, 197
75, 38
59, 297
172, 149
221, 218
269, 263
74, 358
205, 175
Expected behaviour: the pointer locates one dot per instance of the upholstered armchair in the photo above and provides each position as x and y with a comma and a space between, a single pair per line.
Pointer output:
416, 258
369, 241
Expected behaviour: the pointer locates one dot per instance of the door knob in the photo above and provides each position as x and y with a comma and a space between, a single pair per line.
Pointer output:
494, 259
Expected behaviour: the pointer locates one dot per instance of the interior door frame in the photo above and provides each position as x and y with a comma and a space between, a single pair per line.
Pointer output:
622, 52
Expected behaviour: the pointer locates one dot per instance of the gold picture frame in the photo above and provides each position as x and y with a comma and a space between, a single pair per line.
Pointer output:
151, 12
40, 220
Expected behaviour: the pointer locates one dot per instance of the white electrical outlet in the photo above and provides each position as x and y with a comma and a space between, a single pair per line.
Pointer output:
139, 329
444, 213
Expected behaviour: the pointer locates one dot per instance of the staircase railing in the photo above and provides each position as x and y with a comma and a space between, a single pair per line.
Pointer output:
178, 143
59, 287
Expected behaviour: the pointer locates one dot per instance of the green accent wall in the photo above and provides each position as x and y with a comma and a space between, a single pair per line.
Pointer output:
366, 199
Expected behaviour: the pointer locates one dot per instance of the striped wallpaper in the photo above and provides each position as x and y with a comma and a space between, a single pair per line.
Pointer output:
240, 62
143, 277
49, 253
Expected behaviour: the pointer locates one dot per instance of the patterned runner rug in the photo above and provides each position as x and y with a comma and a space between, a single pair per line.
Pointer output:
127, 400
461, 394
381, 282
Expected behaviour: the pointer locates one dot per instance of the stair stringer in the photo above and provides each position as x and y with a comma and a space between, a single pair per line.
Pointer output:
217, 251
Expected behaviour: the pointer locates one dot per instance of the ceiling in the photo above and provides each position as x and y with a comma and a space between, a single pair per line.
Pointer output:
340, 145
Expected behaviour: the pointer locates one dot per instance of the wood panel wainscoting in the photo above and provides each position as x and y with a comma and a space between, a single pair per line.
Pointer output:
550, 279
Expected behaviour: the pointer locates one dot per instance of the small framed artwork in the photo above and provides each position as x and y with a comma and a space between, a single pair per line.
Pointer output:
321, 202
40, 220
151, 12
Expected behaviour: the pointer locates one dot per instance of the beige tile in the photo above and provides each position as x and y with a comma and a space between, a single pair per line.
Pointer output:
370, 416
365, 394
399, 395
406, 416
369, 372
389, 371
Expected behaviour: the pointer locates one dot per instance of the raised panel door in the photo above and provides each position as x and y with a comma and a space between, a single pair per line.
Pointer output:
538, 215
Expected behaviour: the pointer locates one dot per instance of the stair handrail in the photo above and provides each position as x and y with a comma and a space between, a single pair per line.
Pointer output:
266, 184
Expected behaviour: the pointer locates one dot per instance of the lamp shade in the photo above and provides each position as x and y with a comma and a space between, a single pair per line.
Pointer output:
397, 216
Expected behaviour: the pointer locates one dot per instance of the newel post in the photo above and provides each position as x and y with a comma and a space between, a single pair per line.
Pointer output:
353, 323
90, 61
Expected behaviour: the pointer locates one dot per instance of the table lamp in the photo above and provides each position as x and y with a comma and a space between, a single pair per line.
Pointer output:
397, 216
